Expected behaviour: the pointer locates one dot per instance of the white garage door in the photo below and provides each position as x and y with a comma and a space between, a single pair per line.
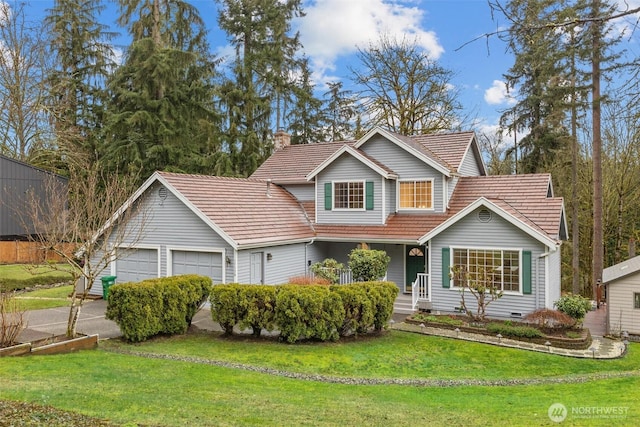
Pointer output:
137, 265
202, 263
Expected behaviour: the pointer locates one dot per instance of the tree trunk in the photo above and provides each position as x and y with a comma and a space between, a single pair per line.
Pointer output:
598, 249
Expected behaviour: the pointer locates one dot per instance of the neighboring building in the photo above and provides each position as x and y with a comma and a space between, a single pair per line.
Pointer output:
425, 200
17, 180
622, 283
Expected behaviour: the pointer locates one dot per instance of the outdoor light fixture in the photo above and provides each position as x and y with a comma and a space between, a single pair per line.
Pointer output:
228, 260
269, 257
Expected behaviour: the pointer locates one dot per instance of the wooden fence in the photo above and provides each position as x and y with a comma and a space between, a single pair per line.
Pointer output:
18, 252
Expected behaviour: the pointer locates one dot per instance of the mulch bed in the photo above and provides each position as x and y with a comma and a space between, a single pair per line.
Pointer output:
555, 337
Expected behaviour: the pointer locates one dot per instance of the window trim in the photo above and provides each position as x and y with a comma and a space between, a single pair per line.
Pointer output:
334, 198
520, 251
416, 180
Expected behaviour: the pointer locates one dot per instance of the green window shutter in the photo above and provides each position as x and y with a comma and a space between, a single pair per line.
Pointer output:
446, 280
369, 195
526, 272
327, 196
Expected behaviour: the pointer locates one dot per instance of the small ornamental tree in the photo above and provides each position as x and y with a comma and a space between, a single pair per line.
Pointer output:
481, 285
368, 264
575, 306
329, 269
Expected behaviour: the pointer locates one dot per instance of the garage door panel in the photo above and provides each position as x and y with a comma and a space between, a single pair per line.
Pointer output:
203, 263
137, 265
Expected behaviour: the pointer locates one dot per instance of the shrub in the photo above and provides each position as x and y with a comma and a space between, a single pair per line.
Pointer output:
368, 264
226, 308
382, 296
258, 307
311, 312
166, 305
575, 306
308, 280
445, 320
358, 309
329, 270
12, 320
551, 319
514, 331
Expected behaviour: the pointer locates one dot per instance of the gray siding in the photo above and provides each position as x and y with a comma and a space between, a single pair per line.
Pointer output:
555, 283
405, 165
286, 261
622, 314
302, 192
16, 181
171, 224
344, 169
469, 164
469, 232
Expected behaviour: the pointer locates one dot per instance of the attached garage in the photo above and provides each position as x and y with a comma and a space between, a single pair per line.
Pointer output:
204, 263
137, 264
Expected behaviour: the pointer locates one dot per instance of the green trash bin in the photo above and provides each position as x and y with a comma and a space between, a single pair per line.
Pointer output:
107, 281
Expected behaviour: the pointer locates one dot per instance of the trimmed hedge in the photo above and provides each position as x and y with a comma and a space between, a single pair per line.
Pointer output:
156, 306
304, 312
514, 331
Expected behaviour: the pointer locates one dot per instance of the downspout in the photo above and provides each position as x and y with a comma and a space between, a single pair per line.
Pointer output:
235, 265
306, 257
546, 279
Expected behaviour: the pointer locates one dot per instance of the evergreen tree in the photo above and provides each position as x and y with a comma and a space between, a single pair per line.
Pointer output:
340, 111
161, 113
305, 118
254, 96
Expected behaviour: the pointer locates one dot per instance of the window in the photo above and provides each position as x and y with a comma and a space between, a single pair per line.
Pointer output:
636, 300
502, 268
416, 195
349, 195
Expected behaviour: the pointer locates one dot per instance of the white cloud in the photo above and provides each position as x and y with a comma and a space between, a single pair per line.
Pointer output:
497, 94
335, 28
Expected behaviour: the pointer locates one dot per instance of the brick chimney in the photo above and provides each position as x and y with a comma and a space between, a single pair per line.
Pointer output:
281, 139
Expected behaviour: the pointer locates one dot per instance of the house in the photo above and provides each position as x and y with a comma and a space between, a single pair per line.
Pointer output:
17, 179
622, 282
425, 200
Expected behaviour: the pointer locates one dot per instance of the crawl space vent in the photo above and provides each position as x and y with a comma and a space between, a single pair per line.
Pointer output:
484, 215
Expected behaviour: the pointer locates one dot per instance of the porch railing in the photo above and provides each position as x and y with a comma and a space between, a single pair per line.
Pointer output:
344, 275
420, 289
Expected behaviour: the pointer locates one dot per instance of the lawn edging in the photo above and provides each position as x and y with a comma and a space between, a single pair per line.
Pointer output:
54, 345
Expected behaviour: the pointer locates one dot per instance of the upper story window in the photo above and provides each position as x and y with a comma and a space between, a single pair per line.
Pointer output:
416, 194
348, 195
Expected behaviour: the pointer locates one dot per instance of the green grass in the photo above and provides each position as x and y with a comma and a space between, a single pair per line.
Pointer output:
20, 276
393, 355
129, 389
45, 298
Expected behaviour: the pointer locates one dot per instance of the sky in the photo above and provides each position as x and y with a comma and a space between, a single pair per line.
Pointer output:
451, 31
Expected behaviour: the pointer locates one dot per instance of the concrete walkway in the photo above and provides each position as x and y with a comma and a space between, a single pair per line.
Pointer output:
601, 348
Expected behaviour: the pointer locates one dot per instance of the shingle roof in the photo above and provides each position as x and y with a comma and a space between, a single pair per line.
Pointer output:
242, 208
523, 196
449, 147
293, 163
620, 270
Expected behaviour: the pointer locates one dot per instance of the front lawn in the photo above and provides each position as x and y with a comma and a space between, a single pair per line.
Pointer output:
20, 276
45, 298
126, 388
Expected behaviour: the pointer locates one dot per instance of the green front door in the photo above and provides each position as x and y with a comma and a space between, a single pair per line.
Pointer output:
415, 262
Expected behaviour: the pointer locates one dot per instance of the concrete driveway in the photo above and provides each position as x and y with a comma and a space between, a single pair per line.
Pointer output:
46, 323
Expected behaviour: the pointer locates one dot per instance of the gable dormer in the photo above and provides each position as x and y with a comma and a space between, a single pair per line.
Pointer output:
350, 188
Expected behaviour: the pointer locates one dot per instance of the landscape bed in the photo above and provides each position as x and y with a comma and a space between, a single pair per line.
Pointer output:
571, 338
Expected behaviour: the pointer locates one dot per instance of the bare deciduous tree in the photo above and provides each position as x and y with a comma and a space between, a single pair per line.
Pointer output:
83, 224
22, 91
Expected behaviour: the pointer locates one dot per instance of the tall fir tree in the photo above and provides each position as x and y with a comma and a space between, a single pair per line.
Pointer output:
253, 97
161, 113
83, 58
341, 110
305, 119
